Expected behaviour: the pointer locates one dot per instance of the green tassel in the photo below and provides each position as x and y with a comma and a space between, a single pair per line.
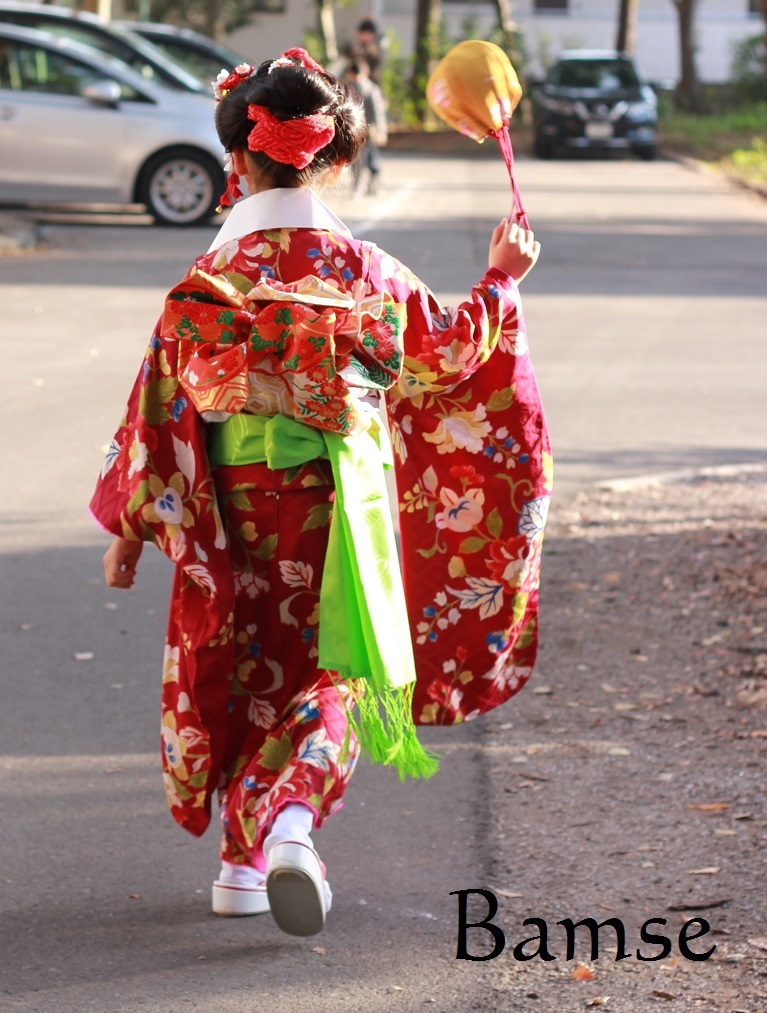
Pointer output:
386, 732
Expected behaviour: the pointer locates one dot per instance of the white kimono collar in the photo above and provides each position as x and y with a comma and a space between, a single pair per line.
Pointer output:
281, 208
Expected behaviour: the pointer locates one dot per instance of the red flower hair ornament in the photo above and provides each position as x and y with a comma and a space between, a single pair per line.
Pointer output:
292, 142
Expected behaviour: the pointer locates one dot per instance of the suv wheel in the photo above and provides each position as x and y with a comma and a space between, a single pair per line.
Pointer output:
181, 187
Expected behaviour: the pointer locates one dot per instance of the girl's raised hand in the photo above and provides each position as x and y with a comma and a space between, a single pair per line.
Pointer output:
120, 562
513, 249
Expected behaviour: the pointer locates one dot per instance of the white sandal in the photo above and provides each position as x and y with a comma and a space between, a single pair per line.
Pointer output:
239, 891
298, 894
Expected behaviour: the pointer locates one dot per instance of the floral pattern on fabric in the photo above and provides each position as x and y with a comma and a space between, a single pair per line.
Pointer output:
301, 321
309, 340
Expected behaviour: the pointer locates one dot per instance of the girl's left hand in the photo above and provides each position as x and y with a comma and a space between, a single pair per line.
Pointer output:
513, 249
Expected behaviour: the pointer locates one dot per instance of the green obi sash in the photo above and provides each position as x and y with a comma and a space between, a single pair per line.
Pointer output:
364, 631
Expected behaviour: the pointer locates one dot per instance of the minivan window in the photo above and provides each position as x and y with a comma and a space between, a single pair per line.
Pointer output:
37, 69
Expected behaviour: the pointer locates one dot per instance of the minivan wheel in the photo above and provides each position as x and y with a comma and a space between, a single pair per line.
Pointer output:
180, 187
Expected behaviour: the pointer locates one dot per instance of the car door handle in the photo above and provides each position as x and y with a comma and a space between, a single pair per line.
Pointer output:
8, 113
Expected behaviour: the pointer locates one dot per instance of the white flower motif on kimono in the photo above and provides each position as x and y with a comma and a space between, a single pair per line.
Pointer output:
250, 584
296, 574
170, 664
110, 457
174, 799
139, 455
481, 593
177, 546
507, 677
261, 713
201, 575
169, 507
532, 520
172, 747
318, 750
226, 254
462, 512
455, 356
454, 701
461, 430
513, 342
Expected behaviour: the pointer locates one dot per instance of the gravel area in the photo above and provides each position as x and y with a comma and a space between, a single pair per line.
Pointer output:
628, 778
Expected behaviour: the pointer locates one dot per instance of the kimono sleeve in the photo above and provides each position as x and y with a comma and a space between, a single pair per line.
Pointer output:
474, 477
155, 483
443, 346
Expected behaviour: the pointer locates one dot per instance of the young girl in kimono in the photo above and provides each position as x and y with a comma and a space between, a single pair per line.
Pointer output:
251, 453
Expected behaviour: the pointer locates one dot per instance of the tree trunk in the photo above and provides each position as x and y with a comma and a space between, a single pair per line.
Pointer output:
505, 20
627, 26
689, 92
327, 26
763, 5
428, 20
212, 8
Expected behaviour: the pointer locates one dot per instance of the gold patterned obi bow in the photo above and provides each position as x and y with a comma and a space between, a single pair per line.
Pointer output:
314, 344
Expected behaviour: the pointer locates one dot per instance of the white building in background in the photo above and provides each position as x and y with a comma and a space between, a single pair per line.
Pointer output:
547, 26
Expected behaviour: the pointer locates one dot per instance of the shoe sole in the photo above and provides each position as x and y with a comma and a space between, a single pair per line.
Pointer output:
295, 889
231, 901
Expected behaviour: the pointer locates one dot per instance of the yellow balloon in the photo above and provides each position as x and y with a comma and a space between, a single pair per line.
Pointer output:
474, 88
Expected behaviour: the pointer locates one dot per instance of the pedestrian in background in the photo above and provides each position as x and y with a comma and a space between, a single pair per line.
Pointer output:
358, 76
366, 47
250, 454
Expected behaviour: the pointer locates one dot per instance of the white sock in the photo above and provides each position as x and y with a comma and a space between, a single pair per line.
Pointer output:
241, 875
294, 822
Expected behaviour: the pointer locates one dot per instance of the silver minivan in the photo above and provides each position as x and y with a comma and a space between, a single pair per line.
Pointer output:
76, 125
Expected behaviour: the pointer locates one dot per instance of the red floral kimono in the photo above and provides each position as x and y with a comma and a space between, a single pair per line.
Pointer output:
288, 314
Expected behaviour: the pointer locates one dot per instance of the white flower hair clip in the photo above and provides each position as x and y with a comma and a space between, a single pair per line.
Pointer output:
228, 79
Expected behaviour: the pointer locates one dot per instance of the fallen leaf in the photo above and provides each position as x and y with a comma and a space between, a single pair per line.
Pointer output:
760, 733
84, 656
708, 870
601, 1000
134, 896
319, 949
703, 905
671, 965
619, 751
507, 893
543, 690
708, 807
662, 995
583, 973
760, 942
742, 816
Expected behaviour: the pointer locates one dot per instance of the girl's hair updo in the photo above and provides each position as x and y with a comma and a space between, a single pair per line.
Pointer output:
290, 91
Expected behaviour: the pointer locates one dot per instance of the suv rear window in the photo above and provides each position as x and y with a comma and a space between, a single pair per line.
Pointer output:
601, 75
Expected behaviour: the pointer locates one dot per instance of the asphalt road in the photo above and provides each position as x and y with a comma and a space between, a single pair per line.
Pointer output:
646, 318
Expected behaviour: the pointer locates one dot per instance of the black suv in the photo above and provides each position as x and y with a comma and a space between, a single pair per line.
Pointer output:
594, 99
